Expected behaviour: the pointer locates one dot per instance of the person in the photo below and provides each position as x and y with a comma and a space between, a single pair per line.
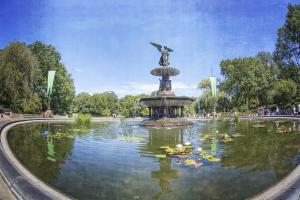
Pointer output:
277, 110
294, 110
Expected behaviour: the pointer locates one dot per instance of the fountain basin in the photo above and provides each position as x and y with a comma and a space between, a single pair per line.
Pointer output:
89, 164
166, 110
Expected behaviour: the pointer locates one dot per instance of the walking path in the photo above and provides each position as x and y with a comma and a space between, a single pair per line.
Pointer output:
5, 193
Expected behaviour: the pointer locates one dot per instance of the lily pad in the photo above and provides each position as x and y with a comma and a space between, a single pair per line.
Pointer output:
283, 130
132, 139
258, 126
204, 137
177, 152
208, 156
60, 135
189, 162
160, 156
80, 130
213, 159
225, 140
237, 135
224, 136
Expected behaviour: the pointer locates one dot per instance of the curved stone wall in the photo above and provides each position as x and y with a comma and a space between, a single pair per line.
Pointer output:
25, 185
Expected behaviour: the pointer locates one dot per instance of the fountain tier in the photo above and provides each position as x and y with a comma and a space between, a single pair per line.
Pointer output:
165, 109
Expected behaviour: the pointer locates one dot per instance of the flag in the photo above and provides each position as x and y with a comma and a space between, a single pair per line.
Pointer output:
51, 75
213, 85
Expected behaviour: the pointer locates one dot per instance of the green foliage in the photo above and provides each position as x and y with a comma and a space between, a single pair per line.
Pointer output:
268, 59
223, 102
129, 106
208, 103
99, 105
247, 81
18, 69
107, 103
283, 93
82, 103
204, 85
190, 110
236, 119
112, 102
32, 105
63, 87
83, 119
287, 52
23, 77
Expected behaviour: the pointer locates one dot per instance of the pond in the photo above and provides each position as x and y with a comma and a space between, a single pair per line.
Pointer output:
121, 160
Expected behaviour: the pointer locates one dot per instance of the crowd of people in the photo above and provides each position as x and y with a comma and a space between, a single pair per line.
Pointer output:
264, 111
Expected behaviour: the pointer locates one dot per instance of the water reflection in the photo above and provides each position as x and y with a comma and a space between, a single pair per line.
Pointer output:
263, 148
38, 152
51, 152
117, 160
165, 174
156, 139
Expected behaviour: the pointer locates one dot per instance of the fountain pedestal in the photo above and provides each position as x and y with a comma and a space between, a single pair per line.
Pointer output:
166, 109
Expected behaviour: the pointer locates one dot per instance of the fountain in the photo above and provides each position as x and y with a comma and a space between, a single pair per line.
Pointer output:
165, 109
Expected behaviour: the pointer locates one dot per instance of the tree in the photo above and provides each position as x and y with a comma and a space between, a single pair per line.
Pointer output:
283, 93
82, 103
223, 102
99, 105
268, 59
287, 52
190, 110
130, 107
17, 74
112, 100
247, 81
206, 101
63, 87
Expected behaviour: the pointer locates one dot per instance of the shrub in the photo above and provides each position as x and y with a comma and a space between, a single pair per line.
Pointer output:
83, 119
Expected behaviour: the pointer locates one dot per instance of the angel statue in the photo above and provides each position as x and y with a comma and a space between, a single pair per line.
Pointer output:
164, 59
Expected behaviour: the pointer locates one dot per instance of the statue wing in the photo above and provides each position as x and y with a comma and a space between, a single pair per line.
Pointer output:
156, 46
169, 50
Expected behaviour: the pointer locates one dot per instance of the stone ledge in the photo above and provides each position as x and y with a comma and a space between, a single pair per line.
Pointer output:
21, 182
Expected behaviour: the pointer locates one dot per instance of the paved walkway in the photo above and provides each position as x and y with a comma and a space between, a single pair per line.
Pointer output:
5, 193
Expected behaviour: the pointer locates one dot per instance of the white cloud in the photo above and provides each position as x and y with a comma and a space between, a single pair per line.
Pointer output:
78, 70
134, 88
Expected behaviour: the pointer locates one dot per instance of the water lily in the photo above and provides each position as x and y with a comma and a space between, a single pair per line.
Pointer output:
180, 147
187, 143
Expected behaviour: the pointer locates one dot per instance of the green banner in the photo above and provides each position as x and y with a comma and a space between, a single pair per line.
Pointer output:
213, 85
51, 75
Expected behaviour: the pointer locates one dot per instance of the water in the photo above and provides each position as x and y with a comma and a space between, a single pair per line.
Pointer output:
117, 160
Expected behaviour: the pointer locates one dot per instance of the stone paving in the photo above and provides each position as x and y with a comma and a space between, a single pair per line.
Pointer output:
5, 193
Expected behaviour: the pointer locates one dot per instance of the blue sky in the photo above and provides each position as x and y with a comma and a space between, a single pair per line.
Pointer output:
105, 44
